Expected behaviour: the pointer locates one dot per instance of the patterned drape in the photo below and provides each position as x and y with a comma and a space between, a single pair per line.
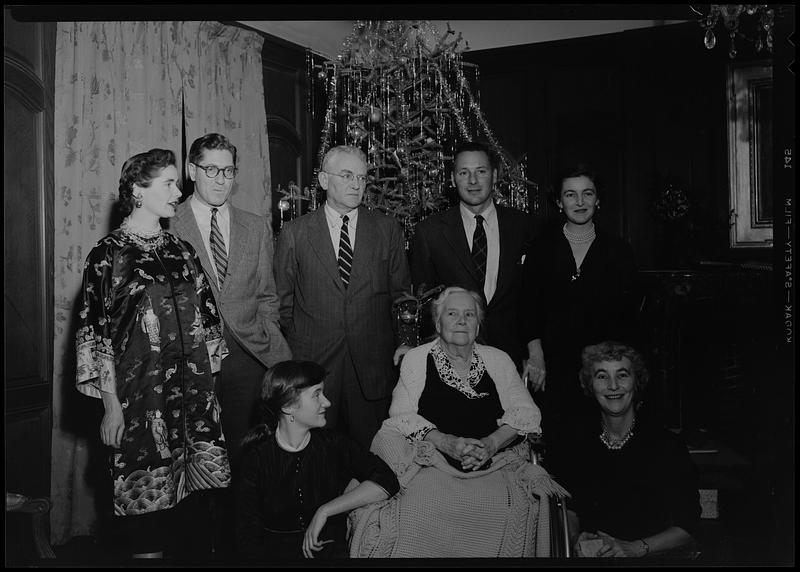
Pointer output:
224, 93
120, 89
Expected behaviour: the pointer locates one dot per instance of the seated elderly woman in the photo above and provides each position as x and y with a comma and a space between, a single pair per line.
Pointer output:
456, 440
633, 483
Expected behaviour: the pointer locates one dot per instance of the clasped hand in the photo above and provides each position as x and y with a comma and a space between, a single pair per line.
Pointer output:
612, 547
473, 453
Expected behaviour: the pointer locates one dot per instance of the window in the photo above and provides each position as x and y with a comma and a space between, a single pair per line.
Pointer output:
750, 154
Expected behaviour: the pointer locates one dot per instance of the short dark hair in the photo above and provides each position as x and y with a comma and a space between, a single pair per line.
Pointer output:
475, 147
571, 171
140, 170
613, 351
281, 387
210, 141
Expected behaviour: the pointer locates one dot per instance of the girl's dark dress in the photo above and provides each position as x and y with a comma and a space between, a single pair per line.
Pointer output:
279, 492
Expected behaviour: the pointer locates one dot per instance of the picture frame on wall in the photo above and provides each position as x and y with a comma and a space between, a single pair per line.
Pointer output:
749, 105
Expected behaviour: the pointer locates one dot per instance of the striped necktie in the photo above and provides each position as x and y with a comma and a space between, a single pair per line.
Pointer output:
218, 248
345, 253
479, 247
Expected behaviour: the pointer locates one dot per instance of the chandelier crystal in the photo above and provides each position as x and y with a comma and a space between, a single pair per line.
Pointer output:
752, 22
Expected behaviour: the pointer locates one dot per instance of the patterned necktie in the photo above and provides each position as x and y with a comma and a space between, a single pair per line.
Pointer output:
218, 248
479, 247
345, 253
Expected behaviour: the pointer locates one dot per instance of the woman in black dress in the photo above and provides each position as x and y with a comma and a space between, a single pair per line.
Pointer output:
299, 480
579, 288
633, 483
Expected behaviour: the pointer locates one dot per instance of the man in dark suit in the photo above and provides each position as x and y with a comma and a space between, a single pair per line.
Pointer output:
479, 246
338, 270
235, 249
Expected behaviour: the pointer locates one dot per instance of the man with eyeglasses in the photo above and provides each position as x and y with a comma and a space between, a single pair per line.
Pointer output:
236, 252
235, 249
477, 245
338, 270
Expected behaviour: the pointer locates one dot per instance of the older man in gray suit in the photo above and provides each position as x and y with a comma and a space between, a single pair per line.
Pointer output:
338, 270
235, 249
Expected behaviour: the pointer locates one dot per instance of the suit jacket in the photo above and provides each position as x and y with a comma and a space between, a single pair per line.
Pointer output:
440, 255
248, 301
321, 317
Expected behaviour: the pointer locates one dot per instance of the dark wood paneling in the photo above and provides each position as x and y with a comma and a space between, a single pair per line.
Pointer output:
22, 308
23, 38
29, 60
641, 105
27, 469
288, 121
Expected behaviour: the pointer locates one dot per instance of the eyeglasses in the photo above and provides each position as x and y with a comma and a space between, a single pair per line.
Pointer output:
350, 177
212, 171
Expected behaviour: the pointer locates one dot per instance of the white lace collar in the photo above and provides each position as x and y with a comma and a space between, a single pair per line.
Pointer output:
449, 375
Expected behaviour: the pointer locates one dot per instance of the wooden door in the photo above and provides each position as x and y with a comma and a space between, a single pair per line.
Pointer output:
288, 118
28, 71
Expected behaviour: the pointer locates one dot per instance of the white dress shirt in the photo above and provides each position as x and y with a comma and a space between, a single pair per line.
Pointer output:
492, 229
202, 214
335, 227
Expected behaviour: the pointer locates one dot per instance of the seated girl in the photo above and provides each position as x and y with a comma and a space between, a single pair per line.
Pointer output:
298, 480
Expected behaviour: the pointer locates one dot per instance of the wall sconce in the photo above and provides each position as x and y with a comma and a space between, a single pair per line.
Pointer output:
761, 17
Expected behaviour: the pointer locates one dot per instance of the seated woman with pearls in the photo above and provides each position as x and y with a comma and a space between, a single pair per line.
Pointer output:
633, 484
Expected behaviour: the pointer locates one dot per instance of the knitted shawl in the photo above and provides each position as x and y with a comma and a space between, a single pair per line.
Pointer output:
441, 512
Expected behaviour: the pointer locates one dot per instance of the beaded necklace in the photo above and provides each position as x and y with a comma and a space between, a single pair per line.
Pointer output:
614, 445
147, 239
580, 238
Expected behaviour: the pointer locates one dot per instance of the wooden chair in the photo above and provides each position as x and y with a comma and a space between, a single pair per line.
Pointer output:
28, 517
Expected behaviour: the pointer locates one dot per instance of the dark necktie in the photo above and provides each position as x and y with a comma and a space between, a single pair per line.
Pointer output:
345, 253
479, 247
218, 248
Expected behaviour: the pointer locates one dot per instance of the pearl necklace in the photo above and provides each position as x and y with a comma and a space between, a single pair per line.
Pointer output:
582, 238
143, 237
605, 437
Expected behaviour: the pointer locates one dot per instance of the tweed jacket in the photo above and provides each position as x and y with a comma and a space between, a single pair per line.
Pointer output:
248, 301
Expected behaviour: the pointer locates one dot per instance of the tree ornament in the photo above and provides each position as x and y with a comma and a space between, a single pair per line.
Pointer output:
399, 91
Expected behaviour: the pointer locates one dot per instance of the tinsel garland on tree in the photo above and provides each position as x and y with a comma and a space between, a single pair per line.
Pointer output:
399, 91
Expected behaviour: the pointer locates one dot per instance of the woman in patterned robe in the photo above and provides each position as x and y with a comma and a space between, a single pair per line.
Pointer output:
148, 344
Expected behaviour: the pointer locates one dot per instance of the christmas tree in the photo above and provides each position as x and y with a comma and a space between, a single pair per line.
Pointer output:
399, 91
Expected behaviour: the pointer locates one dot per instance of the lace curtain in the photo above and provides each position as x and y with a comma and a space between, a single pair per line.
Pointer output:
120, 89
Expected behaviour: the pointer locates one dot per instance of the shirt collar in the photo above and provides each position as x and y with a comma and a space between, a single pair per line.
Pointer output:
198, 204
335, 219
489, 214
